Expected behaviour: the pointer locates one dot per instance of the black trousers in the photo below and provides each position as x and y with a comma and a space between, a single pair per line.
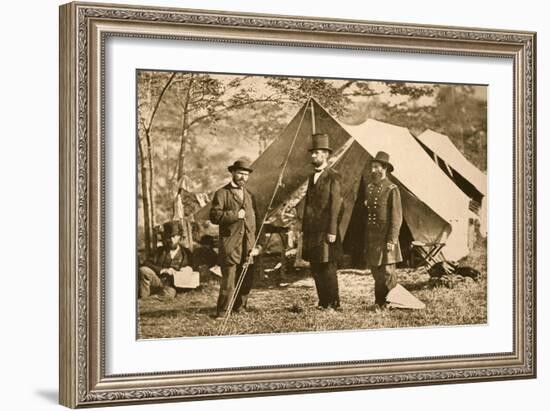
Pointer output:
230, 278
326, 282
246, 286
385, 278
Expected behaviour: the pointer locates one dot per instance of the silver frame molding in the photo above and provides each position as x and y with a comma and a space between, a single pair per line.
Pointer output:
84, 27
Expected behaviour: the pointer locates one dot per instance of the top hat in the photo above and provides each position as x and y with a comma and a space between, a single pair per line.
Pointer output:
383, 158
319, 141
172, 228
240, 165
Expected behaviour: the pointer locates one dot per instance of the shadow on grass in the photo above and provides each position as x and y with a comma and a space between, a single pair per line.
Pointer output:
176, 312
263, 280
206, 310
417, 286
161, 313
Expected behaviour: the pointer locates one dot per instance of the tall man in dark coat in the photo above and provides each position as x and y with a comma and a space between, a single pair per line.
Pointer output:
322, 245
384, 219
234, 210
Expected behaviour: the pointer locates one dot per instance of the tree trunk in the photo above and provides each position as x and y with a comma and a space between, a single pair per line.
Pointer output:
184, 132
151, 177
148, 140
147, 171
147, 226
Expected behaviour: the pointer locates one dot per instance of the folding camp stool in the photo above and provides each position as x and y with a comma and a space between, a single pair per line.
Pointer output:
428, 253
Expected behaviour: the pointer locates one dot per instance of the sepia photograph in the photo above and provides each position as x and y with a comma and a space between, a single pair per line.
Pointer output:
256, 203
271, 204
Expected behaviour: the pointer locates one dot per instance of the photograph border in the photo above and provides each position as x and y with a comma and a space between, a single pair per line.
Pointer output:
84, 28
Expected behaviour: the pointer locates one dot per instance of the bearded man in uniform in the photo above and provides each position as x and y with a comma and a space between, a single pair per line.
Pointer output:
384, 219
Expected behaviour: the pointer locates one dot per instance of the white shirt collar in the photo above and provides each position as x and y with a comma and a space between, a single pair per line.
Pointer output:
174, 251
318, 172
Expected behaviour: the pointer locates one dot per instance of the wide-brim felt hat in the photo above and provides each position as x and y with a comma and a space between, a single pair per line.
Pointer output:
240, 165
172, 228
320, 141
383, 158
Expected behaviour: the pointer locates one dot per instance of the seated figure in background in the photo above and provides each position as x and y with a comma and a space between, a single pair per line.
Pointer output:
156, 275
205, 257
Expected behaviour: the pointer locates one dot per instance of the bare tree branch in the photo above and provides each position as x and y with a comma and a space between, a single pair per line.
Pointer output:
234, 106
148, 128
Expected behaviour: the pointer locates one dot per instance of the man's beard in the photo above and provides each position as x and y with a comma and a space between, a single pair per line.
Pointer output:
173, 246
317, 163
239, 182
377, 176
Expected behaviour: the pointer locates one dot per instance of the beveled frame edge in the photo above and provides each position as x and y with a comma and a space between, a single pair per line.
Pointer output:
83, 28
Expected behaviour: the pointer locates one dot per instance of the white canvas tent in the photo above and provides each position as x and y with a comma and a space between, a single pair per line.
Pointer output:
471, 180
434, 208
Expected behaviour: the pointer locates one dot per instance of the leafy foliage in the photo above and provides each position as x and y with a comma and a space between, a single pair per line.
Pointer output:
198, 123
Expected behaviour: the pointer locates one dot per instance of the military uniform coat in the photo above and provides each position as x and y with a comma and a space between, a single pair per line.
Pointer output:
322, 215
233, 231
384, 219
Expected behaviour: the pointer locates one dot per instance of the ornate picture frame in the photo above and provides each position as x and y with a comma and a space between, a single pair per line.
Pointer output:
84, 29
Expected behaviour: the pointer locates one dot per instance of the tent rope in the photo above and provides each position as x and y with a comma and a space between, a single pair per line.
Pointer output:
279, 184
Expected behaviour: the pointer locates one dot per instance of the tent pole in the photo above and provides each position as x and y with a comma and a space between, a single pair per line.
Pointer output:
312, 116
249, 260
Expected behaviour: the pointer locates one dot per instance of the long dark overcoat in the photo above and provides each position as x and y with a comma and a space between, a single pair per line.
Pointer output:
384, 219
322, 215
224, 212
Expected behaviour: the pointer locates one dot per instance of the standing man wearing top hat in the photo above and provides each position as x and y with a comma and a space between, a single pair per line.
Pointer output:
384, 219
234, 210
322, 244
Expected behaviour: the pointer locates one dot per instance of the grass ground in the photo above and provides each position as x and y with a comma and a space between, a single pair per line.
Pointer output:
275, 309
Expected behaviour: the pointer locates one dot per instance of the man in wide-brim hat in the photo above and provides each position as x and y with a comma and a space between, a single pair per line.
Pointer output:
156, 274
322, 213
234, 210
384, 216
241, 165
